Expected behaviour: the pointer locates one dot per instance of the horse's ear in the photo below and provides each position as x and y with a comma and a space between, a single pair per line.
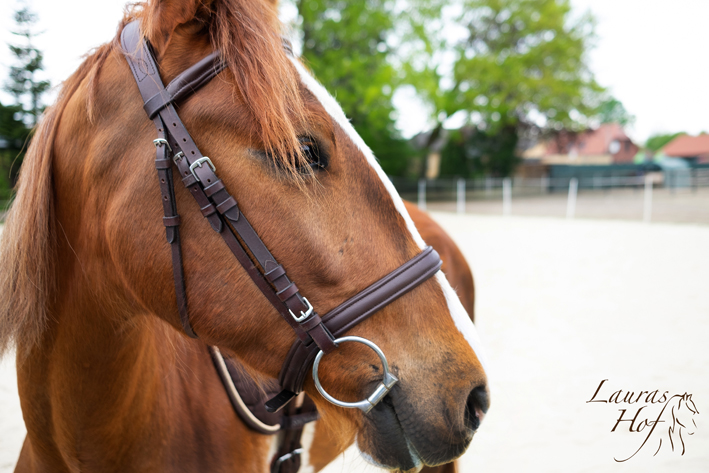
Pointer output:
166, 15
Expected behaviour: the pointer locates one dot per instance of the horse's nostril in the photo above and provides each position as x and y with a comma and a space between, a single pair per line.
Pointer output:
476, 407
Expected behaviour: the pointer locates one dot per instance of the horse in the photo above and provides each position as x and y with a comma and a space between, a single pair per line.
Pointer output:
112, 333
683, 412
454, 266
324, 445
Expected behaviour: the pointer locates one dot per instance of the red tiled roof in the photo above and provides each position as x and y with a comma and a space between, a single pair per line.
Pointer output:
687, 146
589, 142
598, 141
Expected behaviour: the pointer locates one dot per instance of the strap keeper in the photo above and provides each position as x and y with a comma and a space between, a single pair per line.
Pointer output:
288, 292
275, 273
208, 210
189, 180
161, 164
212, 189
156, 103
171, 221
312, 322
227, 205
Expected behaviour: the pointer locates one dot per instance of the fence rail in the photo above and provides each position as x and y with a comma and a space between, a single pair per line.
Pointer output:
464, 192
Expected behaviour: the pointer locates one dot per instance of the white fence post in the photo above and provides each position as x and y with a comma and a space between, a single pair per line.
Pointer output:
506, 196
460, 207
647, 204
422, 194
571, 202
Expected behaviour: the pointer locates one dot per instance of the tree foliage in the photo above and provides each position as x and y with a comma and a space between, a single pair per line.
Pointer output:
514, 65
612, 110
504, 66
354, 49
13, 136
657, 142
23, 83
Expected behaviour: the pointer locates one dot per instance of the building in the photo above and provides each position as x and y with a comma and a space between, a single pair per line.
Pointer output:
608, 144
693, 149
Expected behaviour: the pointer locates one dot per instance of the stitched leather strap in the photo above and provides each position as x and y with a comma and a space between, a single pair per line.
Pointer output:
348, 314
221, 210
198, 172
185, 84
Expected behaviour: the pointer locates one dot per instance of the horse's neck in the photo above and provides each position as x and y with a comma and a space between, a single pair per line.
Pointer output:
135, 395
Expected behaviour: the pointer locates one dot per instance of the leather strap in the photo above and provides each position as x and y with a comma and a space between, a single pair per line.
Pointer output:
185, 84
171, 220
348, 314
198, 172
289, 453
221, 209
247, 399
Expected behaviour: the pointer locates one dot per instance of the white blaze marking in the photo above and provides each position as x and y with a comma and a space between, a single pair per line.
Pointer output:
458, 313
307, 443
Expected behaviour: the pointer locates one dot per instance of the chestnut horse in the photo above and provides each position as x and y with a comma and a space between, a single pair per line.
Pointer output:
325, 445
107, 379
454, 266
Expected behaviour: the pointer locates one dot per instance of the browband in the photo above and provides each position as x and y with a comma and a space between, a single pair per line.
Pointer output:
175, 145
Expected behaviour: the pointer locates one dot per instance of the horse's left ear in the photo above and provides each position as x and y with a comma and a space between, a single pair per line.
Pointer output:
166, 15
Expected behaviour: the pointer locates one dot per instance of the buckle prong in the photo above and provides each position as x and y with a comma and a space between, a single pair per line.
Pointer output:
158, 142
303, 315
198, 164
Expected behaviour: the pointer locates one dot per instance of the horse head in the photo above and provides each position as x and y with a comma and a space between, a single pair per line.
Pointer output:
683, 414
310, 188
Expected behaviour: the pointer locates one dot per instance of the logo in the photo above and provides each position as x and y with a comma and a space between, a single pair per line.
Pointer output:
660, 420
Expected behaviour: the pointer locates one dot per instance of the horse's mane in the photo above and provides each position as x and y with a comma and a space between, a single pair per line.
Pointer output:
248, 35
28, 244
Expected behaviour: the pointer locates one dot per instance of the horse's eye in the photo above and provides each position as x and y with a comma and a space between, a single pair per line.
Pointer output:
315, 158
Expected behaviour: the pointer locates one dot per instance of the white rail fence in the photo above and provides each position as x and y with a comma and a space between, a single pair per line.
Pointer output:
463, 191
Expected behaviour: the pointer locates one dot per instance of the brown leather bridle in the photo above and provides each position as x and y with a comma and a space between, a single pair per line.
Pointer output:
174, 145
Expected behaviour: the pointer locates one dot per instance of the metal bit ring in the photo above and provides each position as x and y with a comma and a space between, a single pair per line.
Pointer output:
388, 381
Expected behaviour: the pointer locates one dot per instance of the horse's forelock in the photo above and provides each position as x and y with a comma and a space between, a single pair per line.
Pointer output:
248, 34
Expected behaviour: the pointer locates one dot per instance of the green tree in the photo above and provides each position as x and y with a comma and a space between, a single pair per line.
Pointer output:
516, 64
612, 110
13, 136
656, 142
353, 48
24, 84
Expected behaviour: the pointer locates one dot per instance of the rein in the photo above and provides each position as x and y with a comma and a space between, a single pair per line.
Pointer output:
174, 146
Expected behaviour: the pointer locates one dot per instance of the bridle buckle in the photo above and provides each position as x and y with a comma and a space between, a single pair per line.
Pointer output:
158, 142
303, 315
198, 164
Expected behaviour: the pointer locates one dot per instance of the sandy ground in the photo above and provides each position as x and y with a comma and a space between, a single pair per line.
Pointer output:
563, 305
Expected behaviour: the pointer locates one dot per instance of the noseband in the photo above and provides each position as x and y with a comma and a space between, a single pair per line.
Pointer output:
174, 146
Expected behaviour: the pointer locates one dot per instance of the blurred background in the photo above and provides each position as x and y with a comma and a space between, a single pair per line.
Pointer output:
563, 145
566, 107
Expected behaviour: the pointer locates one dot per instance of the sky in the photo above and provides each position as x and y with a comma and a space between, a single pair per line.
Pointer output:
651, 54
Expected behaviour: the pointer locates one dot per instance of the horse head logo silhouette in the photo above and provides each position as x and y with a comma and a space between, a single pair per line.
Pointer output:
682, 424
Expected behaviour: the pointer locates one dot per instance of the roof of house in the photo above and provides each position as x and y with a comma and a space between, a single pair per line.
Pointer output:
598, 141
687, 146
588, 143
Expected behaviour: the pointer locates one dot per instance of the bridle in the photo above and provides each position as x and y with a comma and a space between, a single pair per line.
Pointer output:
317, 335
